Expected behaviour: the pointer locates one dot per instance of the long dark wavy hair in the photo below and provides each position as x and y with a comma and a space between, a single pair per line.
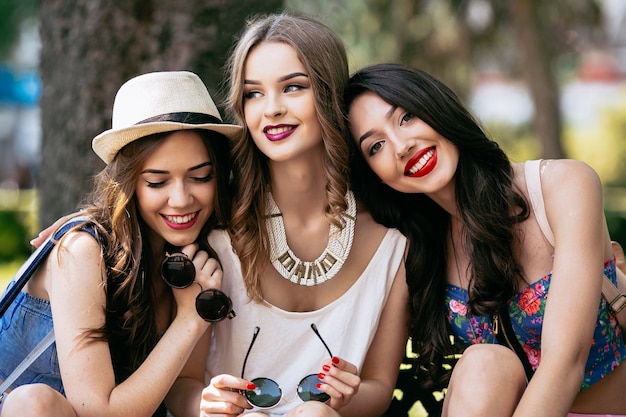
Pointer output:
130, 326
488, 203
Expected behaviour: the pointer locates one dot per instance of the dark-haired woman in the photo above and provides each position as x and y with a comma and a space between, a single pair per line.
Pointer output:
490, 240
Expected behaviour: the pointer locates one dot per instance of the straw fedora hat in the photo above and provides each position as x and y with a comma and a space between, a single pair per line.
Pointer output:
160, 102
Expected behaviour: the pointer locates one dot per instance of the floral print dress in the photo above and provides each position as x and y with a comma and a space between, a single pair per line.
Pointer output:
526, 310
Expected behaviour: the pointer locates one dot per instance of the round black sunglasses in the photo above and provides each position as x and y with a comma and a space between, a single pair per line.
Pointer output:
212, 305
267, 393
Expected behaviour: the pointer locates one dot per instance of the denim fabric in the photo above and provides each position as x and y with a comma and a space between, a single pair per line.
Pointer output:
22, 327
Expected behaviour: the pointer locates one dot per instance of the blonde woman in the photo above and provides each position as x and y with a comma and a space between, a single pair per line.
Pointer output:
318, 286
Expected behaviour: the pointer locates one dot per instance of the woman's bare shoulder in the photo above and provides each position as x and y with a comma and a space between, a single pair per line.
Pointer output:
559, 176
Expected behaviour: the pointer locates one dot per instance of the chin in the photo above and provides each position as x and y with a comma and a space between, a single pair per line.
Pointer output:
181, 241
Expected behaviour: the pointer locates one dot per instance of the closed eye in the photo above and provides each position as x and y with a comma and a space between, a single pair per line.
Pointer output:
155, 184
204, 168
204, 179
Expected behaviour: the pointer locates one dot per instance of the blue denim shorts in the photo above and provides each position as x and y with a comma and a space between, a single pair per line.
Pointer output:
25, 323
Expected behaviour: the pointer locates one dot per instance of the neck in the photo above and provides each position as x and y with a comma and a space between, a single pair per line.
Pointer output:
302, 192
299, 174
446, 198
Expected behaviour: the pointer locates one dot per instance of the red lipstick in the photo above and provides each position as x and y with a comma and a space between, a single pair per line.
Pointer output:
422, 163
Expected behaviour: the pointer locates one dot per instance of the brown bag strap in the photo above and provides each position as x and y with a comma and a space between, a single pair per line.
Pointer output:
613, 295
616, 300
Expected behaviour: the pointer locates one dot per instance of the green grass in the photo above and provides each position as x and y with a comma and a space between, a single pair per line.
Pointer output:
7, 270
26, 203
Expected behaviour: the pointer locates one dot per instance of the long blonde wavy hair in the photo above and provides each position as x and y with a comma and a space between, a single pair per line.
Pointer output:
324, 57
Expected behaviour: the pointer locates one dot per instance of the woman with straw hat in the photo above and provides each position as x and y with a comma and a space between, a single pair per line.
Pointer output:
117, 289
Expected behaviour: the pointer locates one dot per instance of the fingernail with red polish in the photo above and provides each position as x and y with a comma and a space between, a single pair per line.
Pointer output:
321, 375
250, 386
318, 386
335, 360
326, 368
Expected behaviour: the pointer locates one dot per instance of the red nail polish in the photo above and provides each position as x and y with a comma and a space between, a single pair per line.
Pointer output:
250, 386
335, 360
321, 375
326, 368
318, 386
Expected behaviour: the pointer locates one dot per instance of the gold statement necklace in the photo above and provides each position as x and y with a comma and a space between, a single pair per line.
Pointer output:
326, 266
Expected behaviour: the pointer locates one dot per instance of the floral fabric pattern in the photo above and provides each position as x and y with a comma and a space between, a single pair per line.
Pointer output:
526, 310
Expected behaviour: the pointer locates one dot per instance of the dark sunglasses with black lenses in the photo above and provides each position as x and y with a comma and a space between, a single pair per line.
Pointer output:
267, 393
212, 305
178, 271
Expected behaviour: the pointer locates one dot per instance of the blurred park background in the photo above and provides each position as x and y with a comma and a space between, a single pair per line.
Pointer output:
547, 79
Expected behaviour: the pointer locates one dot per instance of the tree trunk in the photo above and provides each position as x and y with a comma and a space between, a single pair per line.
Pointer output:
536, 65
89, 48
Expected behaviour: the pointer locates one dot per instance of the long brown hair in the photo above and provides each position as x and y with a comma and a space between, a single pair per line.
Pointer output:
130, 327
324, 57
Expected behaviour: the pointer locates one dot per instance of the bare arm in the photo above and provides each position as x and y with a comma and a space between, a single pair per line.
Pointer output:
183, 400
573, 201
75, 281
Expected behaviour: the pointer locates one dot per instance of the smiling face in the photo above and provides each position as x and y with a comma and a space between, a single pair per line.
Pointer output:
176, 188
406, 153
279, 103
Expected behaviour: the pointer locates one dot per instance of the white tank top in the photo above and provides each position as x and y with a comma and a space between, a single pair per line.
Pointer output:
286, 349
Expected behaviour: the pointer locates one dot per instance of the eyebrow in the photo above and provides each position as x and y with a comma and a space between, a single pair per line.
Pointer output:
369, 133
193, 168
281, 79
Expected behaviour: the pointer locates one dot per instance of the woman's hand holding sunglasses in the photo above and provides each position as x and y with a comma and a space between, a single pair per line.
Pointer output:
223, 396
182, 269
341, 381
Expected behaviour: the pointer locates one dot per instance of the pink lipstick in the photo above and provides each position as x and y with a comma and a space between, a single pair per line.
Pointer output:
278, 132
180, 222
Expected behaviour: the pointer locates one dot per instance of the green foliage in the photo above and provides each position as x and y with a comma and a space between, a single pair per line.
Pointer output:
602, 146
13, 236
12, 14
18, 223
7, 271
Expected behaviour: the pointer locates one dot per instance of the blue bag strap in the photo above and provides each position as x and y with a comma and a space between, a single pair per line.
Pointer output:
29, 267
